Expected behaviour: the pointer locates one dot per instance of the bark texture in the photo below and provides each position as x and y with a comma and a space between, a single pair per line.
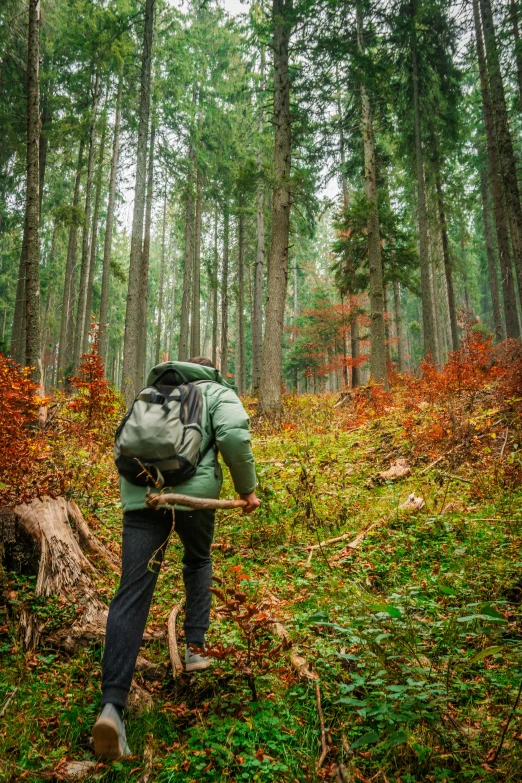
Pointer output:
63, 572
94, 235
257, 310
66, 324
271, 376
506, 153
195, 325
378, 372
398, 326
107, 245
214, 287
144, 269
161, 281
506, 271
32, 264
86, 235
448, 271
224, 292
188, 264
132, 313
240, 344
427, 303
518, 49
492, 258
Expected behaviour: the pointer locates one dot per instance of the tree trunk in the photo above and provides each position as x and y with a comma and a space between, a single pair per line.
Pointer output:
271, 376
135, 291
447, 262
378, 371
492, 261
195, 325
214, 284
355, 350
240, 347
188, 264
172, 300
45, 320
107, 246
70, 266
257, 311
398, 325
18, 329
427, 303
506, 154
145, 260
508, 285
94, 234
162, 274
32, 265
86, 236
224, 293
518, 49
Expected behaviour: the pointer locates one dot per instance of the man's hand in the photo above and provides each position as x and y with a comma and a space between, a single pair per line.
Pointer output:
253, 502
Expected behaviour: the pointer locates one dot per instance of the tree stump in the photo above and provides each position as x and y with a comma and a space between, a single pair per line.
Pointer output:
37, 538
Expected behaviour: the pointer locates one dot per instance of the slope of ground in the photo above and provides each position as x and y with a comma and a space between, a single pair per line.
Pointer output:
414, 629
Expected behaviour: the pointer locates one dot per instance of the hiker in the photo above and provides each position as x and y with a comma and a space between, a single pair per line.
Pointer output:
224, 427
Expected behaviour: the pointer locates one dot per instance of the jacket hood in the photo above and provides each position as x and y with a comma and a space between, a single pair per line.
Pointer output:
190, 371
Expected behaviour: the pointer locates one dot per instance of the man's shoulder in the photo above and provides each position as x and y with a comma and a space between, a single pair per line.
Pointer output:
216, 390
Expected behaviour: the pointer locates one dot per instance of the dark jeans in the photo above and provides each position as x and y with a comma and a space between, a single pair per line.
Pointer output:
144, 535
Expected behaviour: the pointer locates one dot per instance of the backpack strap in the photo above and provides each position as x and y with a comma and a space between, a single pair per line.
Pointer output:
172, 370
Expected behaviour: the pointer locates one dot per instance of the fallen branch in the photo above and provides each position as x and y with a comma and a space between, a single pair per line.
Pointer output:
504, 444
353, 544
177, 666
173, 499
324, 746
456, 478
299, 663
8, 702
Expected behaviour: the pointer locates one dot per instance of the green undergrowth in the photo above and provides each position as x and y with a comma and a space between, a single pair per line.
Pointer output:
415, 633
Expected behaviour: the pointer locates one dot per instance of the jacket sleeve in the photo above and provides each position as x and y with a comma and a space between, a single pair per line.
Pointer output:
230, 423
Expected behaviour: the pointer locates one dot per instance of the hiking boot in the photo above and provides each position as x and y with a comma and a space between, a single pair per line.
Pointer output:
110, 741
195, 662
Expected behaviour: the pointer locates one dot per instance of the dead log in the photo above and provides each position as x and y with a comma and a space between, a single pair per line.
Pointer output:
173, 499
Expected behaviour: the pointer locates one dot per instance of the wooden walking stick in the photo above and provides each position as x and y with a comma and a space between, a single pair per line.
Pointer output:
172, 499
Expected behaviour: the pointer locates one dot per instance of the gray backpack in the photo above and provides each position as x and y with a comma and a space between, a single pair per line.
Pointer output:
158, 441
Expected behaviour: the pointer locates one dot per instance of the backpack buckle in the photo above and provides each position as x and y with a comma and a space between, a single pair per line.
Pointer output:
156, 397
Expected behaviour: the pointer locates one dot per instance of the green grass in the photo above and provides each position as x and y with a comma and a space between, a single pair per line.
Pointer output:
416, 635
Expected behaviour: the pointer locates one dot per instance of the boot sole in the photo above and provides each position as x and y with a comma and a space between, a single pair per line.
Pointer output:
106, 740
197, 667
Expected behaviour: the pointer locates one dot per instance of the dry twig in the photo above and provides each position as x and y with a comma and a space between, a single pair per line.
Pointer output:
8, 702
177, 666
324, 746
299, 663
352, 545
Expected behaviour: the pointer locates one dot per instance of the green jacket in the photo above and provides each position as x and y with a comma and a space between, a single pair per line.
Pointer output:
224, 417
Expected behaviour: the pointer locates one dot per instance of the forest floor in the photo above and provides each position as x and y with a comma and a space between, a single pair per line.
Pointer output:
414, 631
